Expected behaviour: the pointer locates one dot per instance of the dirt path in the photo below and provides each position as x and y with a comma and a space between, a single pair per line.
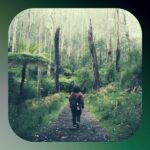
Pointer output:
62, 130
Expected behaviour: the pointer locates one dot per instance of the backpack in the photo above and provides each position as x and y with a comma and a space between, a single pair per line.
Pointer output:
74, 103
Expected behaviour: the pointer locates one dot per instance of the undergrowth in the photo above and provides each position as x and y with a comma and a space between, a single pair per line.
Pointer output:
31, 117
117, 110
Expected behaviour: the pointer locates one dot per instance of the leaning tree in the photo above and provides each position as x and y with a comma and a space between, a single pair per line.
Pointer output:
94, 56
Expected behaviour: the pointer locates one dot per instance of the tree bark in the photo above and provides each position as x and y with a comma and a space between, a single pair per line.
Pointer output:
118, 42
110, 51
14, 36
57, 60
23, 76
38, 82
38, 67
127, 36
94, 57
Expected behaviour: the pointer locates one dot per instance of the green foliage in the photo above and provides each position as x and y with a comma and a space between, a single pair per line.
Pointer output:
20, 47
47, 86
131, 77
15, 59
33, 48
13, 89
103, 76
30, 89
85, 60
67, 83
67, 72
117, 106
119, 112
111, 73
84, 78
31, 117
107, 74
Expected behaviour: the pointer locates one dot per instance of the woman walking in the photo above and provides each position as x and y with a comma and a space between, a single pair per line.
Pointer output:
76, 104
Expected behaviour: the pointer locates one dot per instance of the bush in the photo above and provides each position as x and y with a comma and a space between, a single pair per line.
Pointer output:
111, 73
117, 110
67, 72
84, 78
103, 76
107, 74
14, 85
35, 116
131, 77
47, 86
66, 83
30, 89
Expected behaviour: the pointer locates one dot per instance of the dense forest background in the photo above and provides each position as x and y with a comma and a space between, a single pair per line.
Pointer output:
50, 50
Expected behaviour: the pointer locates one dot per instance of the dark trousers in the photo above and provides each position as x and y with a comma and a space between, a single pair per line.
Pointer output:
75, 115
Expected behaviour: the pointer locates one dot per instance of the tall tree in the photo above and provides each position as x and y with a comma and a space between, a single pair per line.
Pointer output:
14, 36
127, 35
118, 42
57, 59
38, 68
23, 76
110, 51
94, 56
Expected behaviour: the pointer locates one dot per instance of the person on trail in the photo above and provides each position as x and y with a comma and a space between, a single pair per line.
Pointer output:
76, 104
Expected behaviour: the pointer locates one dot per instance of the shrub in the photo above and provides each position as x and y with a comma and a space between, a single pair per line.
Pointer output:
14, 85
117, 110
67, 72
47, 86
66, 83
84, 78
30, 89
35, 115
131, 77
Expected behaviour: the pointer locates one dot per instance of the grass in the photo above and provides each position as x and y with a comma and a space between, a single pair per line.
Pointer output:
30, 118
117, 110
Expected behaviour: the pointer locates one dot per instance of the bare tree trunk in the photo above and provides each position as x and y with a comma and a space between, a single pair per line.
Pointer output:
94, 57
107, 35
28, 31
38, 67
57, 60
118, 42
39, 83
14, 37
110, 51
23, 76
127, 35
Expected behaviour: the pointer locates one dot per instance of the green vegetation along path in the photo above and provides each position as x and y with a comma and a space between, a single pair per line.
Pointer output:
62, 130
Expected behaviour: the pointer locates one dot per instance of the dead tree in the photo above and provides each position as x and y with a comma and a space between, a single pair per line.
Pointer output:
110, 51
127, 36
118, 42
94, 57
23, 76
57, 60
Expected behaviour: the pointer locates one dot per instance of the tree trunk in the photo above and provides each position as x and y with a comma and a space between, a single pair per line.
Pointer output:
23, 76
57, 60
127, 36
38, 83
38, 67
118, 42
107, 36
14, 37
110, 51
94, 57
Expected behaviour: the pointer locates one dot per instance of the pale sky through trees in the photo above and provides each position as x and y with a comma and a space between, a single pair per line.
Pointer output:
29, 24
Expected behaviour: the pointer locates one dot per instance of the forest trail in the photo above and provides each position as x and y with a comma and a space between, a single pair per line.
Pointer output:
62, 130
